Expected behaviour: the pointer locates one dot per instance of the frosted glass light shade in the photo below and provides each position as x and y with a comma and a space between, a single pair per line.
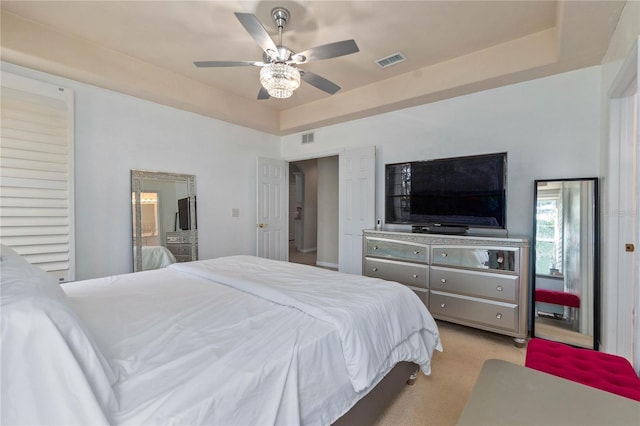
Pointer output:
280, 80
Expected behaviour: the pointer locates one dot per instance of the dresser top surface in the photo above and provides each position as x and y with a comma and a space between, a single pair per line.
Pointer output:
448, 239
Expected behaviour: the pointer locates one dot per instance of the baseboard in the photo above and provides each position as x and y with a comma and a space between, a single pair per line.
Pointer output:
327, 265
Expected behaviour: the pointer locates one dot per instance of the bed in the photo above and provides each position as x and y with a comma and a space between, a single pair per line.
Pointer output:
154, 257
234, 340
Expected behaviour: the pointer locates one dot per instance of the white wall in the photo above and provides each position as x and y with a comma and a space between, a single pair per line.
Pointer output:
115, 133
550, 128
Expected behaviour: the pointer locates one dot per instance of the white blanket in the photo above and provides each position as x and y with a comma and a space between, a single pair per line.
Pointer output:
189, 351
175, 347
155, 257
380, 324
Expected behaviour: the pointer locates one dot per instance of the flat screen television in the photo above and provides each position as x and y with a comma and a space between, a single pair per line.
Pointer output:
456, 192
184, 213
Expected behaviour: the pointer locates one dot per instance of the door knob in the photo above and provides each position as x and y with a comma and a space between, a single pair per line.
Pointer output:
261, 225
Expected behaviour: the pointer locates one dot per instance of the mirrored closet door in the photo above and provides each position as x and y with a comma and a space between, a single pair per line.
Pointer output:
566, 284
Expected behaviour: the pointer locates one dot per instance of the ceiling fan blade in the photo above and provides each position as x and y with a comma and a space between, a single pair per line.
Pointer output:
218, 64
263, 94
326, 51
319, 82
258, 32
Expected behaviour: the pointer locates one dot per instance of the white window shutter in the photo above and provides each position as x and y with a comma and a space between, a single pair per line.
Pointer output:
36, 173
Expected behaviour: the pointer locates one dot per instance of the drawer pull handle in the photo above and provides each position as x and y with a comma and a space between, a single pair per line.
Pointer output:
499, 315
443, 280
416, 252
375, 247
443, 305
443, 254
499, 288
375, 269
415, 275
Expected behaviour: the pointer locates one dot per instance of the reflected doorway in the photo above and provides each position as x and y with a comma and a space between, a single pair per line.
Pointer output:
313, 212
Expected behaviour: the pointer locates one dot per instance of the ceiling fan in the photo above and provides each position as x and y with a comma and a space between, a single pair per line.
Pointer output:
280, 75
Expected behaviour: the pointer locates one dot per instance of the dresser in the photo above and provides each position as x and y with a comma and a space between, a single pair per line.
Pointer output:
480, 282
183, 245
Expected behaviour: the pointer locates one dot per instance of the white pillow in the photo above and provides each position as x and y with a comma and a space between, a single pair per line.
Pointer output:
52, 369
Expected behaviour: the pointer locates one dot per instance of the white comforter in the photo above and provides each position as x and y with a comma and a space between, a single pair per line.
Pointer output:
183, 346
380, 323
155, 257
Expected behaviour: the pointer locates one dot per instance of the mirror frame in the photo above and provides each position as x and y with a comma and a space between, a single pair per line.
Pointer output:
596, 256
137, 176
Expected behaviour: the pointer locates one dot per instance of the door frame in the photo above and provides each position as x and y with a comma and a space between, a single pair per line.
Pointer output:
620, 266
334, 153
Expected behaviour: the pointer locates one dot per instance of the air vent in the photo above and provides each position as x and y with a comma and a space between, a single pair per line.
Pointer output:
307, 137
396, 58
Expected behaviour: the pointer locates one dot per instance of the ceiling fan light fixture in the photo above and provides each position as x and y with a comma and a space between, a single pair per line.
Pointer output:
279, 79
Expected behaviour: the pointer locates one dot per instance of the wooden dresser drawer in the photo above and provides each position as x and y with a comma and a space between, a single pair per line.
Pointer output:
481, 258
401, 250
474, 283
405, 273
473, 310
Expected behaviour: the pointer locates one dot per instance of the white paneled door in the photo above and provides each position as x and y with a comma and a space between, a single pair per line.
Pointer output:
272, 211
357, 204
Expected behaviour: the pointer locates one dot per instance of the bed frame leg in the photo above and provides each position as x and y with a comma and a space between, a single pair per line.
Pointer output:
413, 377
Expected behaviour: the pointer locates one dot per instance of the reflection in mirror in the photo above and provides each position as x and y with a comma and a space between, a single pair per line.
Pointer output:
566, 262
163, 209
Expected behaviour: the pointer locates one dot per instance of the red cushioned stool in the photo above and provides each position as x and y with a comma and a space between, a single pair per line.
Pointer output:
600, 370
563, 298
558, 298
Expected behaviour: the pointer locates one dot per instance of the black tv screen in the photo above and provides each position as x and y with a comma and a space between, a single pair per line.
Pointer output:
462, 191
184, 214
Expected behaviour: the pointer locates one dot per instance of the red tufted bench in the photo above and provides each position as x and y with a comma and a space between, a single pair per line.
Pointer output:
558, 298
600, 370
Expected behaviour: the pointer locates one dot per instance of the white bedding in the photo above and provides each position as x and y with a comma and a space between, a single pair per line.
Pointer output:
186, 349
379, 322
155, 257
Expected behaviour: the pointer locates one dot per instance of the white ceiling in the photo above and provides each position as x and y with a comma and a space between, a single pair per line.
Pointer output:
147, 49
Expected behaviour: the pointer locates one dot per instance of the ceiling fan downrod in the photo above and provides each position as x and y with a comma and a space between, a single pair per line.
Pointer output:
280, 16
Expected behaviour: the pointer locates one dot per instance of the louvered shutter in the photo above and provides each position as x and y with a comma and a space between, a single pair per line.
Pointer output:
36, 173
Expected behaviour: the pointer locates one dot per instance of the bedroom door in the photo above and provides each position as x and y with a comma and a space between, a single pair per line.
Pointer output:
357, 204
272, 210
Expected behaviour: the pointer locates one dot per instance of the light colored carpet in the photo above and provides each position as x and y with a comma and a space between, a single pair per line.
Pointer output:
440, 398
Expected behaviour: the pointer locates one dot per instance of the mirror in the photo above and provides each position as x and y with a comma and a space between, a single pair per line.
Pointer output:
163, 207
566, 259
